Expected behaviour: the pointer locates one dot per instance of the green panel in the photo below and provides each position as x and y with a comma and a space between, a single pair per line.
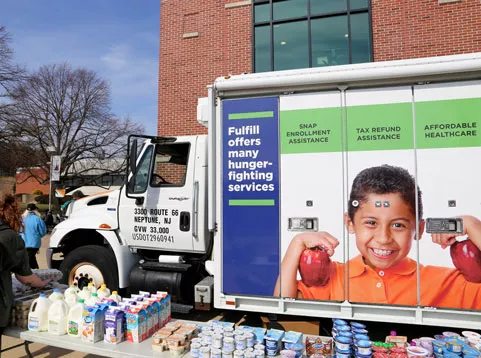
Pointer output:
249, 115
448, 123
266, 202
380, 127
310, 130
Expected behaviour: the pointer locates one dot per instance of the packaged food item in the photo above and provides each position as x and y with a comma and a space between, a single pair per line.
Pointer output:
114, 325
318, 345
92, 324
399, 341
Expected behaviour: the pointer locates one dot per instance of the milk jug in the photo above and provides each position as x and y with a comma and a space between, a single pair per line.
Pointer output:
92, 288
74, 322
84, 294
54, 295
103, 291
38, 314
115, 296
72, 290
92, 300
57, 317
71, 300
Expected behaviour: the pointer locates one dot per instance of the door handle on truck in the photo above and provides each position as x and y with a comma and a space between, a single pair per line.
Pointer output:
195, 208
184, 223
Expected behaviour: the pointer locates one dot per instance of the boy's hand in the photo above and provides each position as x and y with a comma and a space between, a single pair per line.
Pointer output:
309, 240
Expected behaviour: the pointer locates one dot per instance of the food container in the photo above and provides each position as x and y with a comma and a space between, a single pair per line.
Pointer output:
204, 352
468, 334
450, 334
194, 349
227, 354
228, 344
240, 342
343, 343
364, 347
260, 347
358, 325
339, 322
438, 346
238, 354
287, 353
454, 345
215, 353
297, 348
416, 352
258, 353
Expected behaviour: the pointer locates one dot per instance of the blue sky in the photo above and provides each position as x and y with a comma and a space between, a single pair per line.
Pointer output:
118, 39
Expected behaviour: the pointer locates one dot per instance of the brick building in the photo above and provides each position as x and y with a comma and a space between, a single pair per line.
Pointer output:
204, 39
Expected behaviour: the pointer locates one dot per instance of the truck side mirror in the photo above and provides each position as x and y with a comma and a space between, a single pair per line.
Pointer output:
133, 157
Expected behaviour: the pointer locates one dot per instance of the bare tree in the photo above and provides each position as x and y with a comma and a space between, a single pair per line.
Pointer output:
69, 109
10, 73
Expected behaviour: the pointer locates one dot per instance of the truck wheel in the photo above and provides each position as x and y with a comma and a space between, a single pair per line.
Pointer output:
90, 263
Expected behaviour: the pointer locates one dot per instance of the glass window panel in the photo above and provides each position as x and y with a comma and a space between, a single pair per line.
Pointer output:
319, 7
291, 48
288, 9
262, 49
262, 13
358, 4
330, 44
360, 39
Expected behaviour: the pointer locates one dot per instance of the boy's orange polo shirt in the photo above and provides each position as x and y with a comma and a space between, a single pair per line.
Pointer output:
440, 286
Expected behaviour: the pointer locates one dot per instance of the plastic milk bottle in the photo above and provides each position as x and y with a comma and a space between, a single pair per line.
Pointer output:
72, 290
92, 288
38, 314
103, 291
84, 294
92, 300
115, 296
54, 295
57, 317
74, 322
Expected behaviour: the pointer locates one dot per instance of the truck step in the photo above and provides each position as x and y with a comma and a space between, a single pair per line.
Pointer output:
162, 266
180, 308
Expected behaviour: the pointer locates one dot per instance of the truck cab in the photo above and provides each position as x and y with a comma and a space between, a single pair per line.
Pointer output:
150, 231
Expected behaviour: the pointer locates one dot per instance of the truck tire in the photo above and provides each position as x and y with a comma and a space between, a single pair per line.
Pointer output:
90, 263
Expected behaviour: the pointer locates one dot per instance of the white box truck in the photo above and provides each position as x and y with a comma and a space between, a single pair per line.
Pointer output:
324, 192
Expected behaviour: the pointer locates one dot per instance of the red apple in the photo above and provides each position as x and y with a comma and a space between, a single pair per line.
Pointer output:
467, 259
314, 267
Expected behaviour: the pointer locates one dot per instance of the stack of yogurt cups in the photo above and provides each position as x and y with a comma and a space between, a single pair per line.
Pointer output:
351, 339
222, 341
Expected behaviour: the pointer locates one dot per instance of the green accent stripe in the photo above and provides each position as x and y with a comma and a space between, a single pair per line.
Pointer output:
249, 115
260, 202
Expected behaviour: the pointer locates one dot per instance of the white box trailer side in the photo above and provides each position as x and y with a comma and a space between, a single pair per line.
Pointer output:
289, 145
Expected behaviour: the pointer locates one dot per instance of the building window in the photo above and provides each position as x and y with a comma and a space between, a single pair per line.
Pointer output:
292, 34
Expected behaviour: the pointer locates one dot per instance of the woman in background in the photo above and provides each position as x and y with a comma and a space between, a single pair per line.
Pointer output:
13, 257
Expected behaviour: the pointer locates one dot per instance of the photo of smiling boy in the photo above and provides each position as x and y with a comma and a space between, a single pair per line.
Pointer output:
382, 216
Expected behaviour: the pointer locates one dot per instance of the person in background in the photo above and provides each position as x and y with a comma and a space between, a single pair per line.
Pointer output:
77, 194
34, 230
48, 219
13, 257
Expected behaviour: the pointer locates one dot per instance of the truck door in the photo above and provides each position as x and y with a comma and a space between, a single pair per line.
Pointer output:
157, 214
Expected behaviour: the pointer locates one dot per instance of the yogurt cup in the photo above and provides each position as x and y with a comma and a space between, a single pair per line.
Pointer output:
258, 353
416, 352
215, 353
358, 325
343, 343
468, 334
